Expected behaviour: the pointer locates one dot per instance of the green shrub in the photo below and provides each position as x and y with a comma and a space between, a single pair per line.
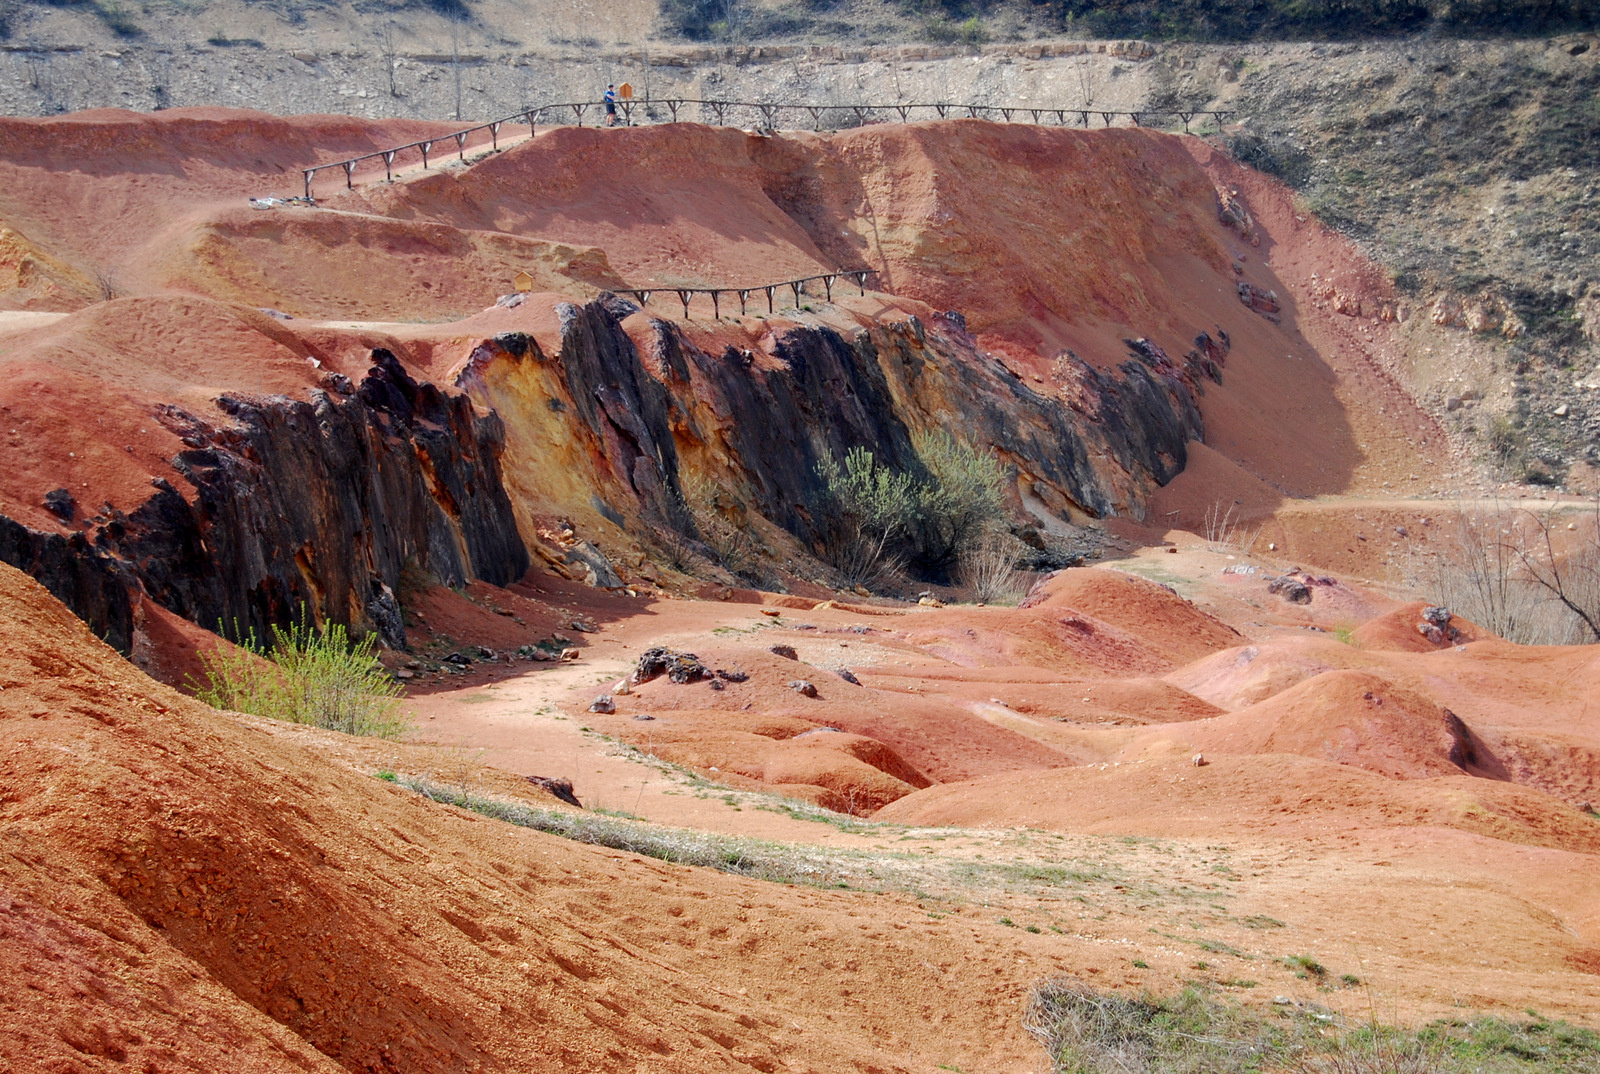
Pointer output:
306, 675
931, 520
877, 505
962, 499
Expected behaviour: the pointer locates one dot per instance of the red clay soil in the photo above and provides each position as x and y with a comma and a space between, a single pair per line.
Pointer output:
185, 890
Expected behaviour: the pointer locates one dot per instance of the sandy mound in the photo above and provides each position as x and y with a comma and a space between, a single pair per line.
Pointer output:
300, 262
1272, 795
1347, 717
1243, 676
1146, 609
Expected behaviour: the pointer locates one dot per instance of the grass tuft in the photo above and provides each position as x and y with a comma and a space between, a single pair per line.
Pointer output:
1195, 1031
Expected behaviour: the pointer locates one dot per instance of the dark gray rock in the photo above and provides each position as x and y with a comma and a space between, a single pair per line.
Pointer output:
383, 611
678, 667
1290, 589
59, 502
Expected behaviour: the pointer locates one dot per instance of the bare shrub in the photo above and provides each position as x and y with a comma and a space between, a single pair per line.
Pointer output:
728, 541
989, 569
1226, 532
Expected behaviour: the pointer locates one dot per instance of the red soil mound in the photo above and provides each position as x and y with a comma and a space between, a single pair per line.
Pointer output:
1236, 678
1349, 717
1149, 610
921, 739
1277, 795
1400, 631
95, 188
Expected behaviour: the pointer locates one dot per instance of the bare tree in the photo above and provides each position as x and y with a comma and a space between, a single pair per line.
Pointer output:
455, 63
1085, 72
1568, 571
1524, 575
386, 48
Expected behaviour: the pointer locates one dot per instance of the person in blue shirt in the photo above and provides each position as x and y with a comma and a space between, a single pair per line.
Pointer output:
611, 105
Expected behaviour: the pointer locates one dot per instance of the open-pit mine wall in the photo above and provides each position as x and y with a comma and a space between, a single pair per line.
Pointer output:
324, 503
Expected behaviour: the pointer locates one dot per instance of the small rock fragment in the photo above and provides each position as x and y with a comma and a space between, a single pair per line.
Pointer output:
1199, 760
803, 688
785, 651
844, 673
773, 612
603, 705
570, 654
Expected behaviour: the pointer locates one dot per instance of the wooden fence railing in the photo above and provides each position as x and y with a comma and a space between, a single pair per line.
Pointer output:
685, 294
766, 116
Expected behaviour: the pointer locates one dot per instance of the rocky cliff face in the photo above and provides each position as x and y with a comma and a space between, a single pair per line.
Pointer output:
641, 406
318, 504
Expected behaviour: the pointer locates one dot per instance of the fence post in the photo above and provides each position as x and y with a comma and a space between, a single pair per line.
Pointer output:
743, 296
684, 296
769, 291
861, 282
494, 134
349, 171
308, 173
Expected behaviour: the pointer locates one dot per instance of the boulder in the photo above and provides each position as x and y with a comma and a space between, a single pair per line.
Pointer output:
678, 667
1290, 589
